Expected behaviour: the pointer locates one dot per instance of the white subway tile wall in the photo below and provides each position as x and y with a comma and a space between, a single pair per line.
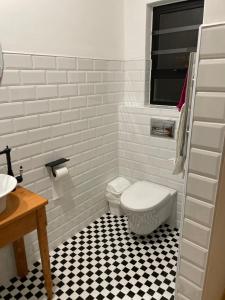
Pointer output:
207, 144
143, 157
52, 107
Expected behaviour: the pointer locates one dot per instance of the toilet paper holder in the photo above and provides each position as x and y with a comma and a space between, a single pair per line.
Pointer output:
55, 163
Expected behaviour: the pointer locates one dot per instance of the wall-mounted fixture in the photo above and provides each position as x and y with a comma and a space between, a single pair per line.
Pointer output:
1, 63
162, 128
56, 163
7, 152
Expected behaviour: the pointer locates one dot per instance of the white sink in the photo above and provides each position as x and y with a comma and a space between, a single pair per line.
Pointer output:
7, 185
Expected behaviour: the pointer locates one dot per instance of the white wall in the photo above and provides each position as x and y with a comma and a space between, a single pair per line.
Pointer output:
214, 11
80, 28
135, 23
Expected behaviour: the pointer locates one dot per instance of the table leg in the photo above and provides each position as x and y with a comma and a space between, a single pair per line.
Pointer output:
44, 251
20, 256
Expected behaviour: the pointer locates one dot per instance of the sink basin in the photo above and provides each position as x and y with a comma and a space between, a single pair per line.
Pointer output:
7, 185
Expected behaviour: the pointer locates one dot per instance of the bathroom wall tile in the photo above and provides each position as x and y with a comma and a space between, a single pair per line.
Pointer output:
94, 76
107, 109
28, 151
181, 297
211, 74
79, 125
46, 91
61, 129
6, 126
14, 139
188, 289
76, 102
44, 62
10, 110
32, 77
39, 134
26, 123
56, 77
59, 104
67, 90
17, 61
36, 107
115, 65
109, 119
4, 94
205, 162
192, 273
85, 64
202, 131
210, 48
107, 65
94, 100
66, 63
87, 112
70, 115
95, 122
86, 89
134, 65
101, 65
202, 187
72, 138
210, 107
10, 77
50, 119
22, 93
193, 253
196, 233
76, 77
199, 211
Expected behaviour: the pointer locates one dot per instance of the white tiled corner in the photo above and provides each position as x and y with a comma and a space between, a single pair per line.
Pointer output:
210, 75
194, 253
192, 273
210, 47
201, 133
199, 211
202, 187
205, 162
188, 289
210, 107
196, 233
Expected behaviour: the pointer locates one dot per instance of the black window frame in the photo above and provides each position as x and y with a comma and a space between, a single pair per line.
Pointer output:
163, 73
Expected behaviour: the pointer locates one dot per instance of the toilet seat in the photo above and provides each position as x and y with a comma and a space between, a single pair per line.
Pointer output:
144, 196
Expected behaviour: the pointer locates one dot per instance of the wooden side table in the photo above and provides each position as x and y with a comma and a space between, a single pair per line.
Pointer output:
24, 213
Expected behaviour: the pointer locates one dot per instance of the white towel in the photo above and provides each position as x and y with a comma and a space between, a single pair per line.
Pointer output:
180, 142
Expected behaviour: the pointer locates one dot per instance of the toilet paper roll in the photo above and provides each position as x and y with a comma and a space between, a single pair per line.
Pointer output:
60, 173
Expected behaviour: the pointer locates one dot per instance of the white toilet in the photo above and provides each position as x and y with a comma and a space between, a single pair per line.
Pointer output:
147, 206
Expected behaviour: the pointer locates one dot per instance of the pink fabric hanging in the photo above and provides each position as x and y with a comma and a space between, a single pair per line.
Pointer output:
183, 94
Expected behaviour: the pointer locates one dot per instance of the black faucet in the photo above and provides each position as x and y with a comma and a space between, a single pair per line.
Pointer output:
7, 151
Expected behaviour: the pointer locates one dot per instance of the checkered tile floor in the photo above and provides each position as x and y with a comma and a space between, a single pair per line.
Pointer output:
105, 261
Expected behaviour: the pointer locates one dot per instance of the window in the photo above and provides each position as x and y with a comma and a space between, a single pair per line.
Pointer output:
174, 36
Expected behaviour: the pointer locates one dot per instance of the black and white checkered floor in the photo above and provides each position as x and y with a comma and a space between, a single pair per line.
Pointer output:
105, 261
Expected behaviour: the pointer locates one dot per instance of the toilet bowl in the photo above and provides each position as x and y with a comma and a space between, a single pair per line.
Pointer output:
147, 206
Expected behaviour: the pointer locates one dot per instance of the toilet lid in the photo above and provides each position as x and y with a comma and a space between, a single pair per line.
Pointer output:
144, 195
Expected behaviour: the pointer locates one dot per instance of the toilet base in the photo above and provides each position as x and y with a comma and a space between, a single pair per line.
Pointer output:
144, 223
